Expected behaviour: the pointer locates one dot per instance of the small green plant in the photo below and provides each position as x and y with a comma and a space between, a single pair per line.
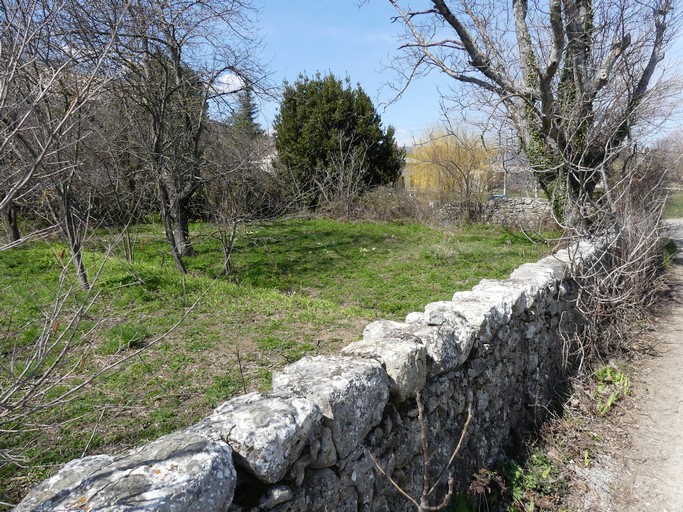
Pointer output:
669, 250
526, 485
124, 337
514, 476
613, 385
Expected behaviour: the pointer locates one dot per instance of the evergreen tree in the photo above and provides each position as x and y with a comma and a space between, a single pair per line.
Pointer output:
319, 114
244, 121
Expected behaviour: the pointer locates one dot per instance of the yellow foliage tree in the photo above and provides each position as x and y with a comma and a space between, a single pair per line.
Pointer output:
453, 166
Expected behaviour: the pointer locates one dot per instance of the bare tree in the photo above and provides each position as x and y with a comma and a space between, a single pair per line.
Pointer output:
36, 58
241, 185
48, 81
344, 179
175, 58
574, 77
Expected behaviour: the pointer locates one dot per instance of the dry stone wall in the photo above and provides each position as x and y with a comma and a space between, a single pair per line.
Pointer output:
514, 211
307, 445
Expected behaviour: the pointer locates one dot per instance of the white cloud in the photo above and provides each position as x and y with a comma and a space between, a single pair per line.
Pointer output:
228, 82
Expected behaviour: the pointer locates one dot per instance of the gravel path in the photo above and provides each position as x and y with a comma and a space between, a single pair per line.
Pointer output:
648, 473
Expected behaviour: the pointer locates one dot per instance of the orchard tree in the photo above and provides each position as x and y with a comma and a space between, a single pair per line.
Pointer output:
574, 77
174, 58
321, 122
581, 82
50, 84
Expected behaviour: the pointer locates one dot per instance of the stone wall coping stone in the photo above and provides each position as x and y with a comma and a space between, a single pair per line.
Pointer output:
176, 473
536, 278
505, 293
267, 431
404, 360
351, 393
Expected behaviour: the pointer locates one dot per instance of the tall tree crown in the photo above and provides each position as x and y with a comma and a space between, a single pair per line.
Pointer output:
244, 119
574, 77
316, 113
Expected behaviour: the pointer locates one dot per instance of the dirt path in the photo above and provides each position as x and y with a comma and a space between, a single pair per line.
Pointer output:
645, 472
651, 476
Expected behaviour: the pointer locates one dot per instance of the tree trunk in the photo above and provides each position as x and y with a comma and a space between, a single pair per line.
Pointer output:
11, 223
228, 244
72, 232
81, 273
169, 228
181, 229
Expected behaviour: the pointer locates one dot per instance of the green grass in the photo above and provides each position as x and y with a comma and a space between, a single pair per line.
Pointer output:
299, 287
674, 206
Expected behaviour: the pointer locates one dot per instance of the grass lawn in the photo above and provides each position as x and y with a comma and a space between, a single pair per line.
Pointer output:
674, 206
299, 287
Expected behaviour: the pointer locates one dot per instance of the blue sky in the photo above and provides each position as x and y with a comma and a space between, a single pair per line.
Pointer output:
338, 36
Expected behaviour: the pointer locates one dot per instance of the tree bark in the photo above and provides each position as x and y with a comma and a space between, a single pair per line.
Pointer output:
81, 272
72, 232
10, 216
169, 228
74, 238
181, 229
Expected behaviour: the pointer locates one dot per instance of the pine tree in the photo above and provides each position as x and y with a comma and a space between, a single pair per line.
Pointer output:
244, 120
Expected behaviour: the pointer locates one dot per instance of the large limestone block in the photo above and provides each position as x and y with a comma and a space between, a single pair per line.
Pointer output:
350, 392
441, 312
491, 304
536, 278
386, 329
472, 308
557, 264
445, 334
405, 362
507, 298
176, 473
267, 431
447, 346
448, 336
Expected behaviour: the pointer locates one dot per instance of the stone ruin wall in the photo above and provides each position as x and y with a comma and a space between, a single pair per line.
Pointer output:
528, 213
518, 211
307, 445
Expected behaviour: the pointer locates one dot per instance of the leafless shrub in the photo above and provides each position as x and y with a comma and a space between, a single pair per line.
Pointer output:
342, 182
619, 288
385, 204
51, 369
